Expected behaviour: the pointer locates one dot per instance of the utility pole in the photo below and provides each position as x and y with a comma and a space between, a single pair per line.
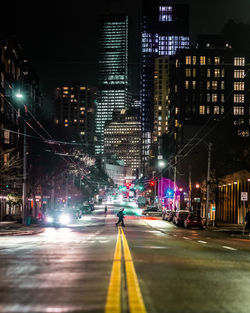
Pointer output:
175, 164
52, 200
208, 180
190, 188
25, 173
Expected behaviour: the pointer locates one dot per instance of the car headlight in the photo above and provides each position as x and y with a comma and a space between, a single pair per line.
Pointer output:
49, 219
64, 219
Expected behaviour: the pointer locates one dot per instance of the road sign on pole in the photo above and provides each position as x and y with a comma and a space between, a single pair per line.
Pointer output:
244, 196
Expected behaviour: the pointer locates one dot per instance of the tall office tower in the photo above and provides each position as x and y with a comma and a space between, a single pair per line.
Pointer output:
164, 29
161, 100
113, 72
75, 109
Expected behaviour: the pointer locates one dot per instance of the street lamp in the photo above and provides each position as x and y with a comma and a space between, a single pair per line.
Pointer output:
20, 96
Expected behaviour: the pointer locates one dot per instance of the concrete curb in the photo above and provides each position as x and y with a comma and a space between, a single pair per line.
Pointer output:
21, 232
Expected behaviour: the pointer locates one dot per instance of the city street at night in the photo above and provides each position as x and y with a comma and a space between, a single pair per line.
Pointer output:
69, 269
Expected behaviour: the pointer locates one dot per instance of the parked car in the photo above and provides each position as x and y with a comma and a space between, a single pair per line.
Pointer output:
193, 220
152, 211
180, 217
171, 216
165, 214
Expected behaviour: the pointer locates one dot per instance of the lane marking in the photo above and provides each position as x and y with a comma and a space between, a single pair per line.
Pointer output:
187, 238
229, 248
202, 241
135, 300
113, 301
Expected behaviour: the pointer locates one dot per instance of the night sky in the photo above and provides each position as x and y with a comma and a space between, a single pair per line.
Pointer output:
61, 39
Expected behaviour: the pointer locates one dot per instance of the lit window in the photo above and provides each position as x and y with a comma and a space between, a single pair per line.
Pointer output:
186, 84
208, 110
239, 86
208, 85
222, 97
188, 72
217, 72
165, 13
208, 97
6, 158
202, 109
202, 60
194, 84
188, 60
6, 136
222, 85
239, 98
214, 85
239, 110
194, 72
216, 110
239, 73
214, 97
194, 60
208, 72
216, 60
239, 61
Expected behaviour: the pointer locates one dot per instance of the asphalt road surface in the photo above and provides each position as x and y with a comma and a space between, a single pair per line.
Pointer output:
149, 266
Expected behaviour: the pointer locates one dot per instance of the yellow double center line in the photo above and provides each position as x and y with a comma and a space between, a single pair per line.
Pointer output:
135, 300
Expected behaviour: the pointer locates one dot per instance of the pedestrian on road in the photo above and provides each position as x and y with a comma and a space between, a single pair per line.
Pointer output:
120, 215
247, 220
105, 210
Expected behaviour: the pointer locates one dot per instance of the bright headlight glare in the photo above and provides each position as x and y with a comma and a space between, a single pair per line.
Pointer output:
64, 219
49, 219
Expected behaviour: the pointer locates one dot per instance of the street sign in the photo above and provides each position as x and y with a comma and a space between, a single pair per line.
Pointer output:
244, 196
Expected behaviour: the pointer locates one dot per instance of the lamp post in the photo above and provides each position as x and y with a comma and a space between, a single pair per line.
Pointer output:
19, 96
161, 164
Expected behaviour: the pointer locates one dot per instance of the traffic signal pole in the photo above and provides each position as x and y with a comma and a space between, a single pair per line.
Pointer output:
208, 181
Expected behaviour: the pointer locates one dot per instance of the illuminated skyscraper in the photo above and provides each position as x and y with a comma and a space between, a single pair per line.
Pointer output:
164, 30
113, 72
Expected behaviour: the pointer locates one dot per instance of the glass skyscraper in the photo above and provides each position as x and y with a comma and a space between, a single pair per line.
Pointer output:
164, 29
113, 72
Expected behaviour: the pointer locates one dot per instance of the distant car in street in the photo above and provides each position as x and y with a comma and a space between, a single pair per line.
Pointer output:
152, 211
86, 209
57, 218
193, 220
180, 217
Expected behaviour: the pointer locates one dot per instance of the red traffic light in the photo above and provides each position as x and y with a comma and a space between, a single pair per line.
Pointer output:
152, 183
128, 185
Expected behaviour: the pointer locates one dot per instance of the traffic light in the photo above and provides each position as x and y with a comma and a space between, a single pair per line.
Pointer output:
152, 183
128, 185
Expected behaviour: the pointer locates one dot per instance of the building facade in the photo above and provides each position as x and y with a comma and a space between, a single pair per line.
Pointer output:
113, 72
122, 139
75, 109
208, 86
164, 29
17, 77
230, 207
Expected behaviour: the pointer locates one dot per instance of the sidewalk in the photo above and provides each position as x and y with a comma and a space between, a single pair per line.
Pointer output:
17, 229
234, 230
